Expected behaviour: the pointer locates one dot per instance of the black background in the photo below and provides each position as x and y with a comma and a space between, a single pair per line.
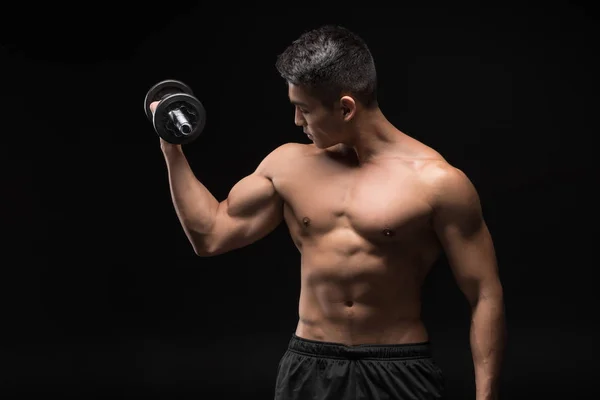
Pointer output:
103, 295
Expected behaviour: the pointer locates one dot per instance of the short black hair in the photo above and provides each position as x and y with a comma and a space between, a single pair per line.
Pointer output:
330, 61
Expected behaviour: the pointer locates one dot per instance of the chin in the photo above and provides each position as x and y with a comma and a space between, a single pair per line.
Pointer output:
321, 145
326, 145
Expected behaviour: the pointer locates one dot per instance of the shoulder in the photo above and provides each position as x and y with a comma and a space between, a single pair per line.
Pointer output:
283, 155
454, 200
287, 152
449, 188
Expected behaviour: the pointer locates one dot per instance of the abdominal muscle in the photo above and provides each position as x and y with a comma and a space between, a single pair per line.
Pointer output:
354, 295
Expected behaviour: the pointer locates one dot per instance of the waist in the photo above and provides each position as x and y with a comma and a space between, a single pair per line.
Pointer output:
328, 349
350, 331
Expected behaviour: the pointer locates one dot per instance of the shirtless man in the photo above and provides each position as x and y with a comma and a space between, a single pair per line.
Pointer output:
370, 209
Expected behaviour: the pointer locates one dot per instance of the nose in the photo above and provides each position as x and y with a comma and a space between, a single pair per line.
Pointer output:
298, 119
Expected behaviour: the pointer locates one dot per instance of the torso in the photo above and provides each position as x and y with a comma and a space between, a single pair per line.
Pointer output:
366, 243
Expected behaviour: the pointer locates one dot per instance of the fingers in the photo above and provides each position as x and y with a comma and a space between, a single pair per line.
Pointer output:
153, 106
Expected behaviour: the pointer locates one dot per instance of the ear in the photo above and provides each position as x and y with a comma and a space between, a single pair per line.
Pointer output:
348, 107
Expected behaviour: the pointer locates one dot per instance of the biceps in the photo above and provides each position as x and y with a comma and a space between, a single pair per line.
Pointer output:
252, 209
473, 261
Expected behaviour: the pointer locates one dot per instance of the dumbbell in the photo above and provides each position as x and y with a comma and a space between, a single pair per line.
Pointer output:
179, 116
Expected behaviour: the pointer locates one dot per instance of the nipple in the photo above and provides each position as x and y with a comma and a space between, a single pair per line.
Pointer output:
306, 221
388, 232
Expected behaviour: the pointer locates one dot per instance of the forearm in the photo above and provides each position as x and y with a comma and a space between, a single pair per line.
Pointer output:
195, 206
488, 335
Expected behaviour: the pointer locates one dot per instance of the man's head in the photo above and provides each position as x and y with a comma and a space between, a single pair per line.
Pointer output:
331, 75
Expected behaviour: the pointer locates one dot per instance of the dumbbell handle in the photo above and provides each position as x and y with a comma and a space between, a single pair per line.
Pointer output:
181, 122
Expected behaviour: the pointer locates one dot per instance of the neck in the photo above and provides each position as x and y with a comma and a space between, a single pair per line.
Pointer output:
372, 135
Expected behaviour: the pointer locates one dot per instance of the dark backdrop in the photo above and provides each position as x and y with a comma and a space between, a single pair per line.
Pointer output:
103, 295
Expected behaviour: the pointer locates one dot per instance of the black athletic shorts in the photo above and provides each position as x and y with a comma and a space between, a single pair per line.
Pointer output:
331, 371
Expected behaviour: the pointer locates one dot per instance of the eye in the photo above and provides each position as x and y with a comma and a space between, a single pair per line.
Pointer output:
302, 110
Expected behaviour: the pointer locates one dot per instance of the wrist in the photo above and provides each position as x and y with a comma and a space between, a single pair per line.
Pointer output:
170, 148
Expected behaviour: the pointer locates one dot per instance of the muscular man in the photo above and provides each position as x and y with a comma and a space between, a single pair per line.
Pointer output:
370, 209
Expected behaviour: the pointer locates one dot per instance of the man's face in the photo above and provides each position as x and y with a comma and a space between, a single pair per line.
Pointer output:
323, 126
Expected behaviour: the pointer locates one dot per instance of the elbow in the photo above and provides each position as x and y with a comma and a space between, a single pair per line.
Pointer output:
204, 249
492, 294
494, 290
203, 245
202, 252
208, 251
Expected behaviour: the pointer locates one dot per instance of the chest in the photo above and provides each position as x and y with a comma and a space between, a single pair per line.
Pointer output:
376, 202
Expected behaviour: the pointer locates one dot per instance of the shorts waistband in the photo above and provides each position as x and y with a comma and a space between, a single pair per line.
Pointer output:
361, 351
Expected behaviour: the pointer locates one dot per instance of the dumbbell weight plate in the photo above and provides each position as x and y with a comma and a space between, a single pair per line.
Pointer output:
190, 107
162, 89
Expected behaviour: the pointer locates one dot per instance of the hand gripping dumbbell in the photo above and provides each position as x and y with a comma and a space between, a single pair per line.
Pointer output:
179, 117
